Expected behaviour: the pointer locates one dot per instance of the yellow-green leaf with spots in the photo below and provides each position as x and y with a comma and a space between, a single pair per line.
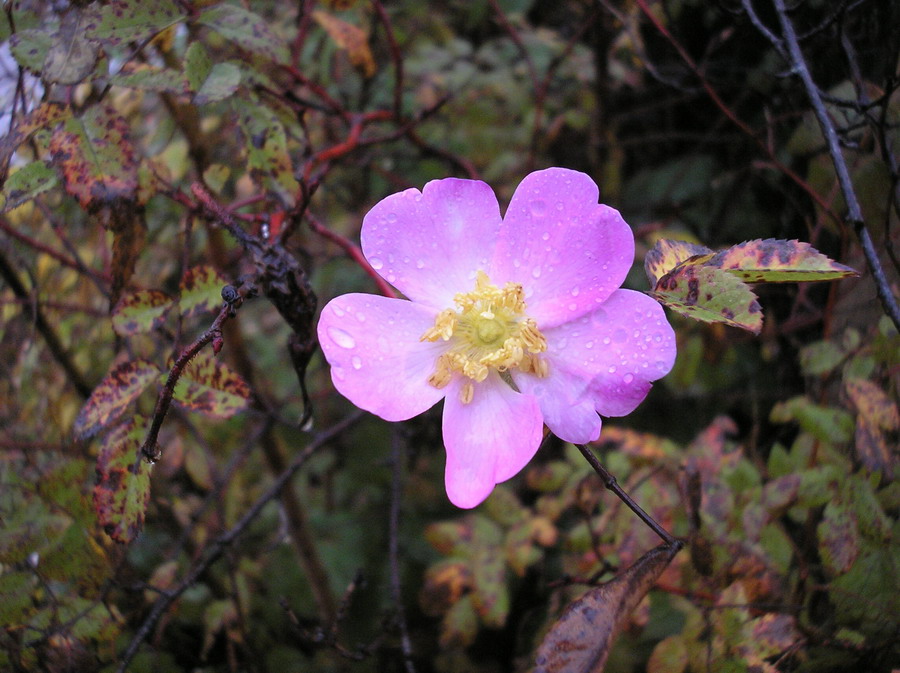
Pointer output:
211, 387
666, 254
201, 290
268, 161
710, 295
98, 160
120, 387
122, 489
140, 312
777, 261
25, 184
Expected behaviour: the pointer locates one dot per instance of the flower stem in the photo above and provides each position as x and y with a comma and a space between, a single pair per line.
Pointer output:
613, 485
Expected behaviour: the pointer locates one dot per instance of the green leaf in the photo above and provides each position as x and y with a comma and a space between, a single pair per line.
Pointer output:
30, 47
25, 184
98, 161
820, 358
150, 78
247, 30
131, 20
15, 587
268, 160
828, 424
119, 388
201, 291
211, 387
223, 80
709, 295
72, 55
778, 261
839, 542
122, 491
197, 65
140, 312
490, 595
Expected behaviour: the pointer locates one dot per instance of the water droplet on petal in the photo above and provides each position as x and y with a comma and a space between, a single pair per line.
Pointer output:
361, 317
612, 369
606, 341
341, 338
392, 217
338, 373
376, 263
628, 378
536, 272
589, 345
546, 236
356, 361
538, 208
338, 311
560, 205
576, 291
573, 306
420, 264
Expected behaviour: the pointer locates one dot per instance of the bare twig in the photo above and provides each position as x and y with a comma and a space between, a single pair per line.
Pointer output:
610, 482
832, 141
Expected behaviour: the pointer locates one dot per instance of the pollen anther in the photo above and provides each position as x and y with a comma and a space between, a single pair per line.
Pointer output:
488, 330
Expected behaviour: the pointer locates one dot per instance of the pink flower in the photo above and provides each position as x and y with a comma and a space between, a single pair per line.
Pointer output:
514, 322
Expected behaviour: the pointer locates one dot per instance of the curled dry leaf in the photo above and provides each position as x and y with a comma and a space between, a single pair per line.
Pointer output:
581, 639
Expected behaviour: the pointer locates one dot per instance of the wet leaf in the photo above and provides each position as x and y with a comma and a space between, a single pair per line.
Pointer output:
820, 358
131, 20
119, 388
268, 160
873, 403
122, 490
98, 161
778, 261
446, 582
30, 48
211, 387
827, 424
25, 184
352, 39
210, 83
710, 295
581, 639
150, 78
839, 542
459, 627
140, 312
246, 30
669, 656
201, 291
45, 116
71, 56
666, 254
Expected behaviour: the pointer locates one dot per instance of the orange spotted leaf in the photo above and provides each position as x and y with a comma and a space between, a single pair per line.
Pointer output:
352, 39
778, 261
119, 388
580, 641
122, 488
211, 387
710, 295
140, 312
666, 254
201, 290
98, 161
45, 116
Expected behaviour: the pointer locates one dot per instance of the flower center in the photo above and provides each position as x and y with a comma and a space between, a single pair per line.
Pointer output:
488, 330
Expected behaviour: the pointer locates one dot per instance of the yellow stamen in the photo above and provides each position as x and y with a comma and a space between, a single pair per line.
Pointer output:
488, 330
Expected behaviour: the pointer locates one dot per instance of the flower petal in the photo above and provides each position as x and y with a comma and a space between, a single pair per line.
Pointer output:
616, 351
567, 409
568, 251
430, 244
377, 361
488, 440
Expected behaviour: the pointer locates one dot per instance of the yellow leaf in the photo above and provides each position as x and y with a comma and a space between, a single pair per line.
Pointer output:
351, 38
